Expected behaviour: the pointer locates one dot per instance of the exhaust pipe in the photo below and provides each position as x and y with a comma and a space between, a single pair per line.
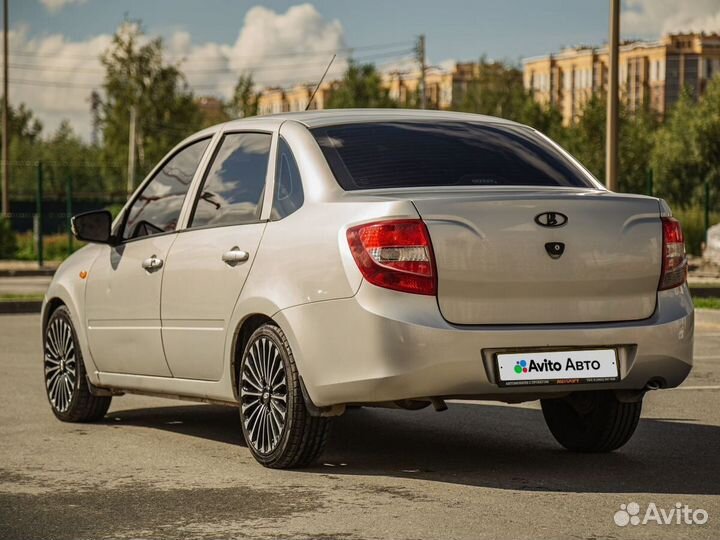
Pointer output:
653, 385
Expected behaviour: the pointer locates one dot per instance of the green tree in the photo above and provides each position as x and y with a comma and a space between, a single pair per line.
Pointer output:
585, 138
22, 122
244, 101
24, 150
136, 75
636, 138
360, 87
675, 159
497, 90
66, 156
707, 142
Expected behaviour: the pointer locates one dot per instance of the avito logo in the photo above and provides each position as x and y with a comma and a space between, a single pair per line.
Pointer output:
545, 365
521, 366
630, 514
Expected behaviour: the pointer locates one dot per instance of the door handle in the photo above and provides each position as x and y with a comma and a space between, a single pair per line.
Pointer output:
235, 256
152, 263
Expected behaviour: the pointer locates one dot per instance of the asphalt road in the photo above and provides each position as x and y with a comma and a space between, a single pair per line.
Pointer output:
160, 469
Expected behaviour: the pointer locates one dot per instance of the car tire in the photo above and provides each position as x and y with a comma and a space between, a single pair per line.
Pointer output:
278, 428
591, 421
66, 384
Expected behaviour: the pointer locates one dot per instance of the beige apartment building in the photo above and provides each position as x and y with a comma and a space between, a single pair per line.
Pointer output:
445, 90
278, 100
650, 72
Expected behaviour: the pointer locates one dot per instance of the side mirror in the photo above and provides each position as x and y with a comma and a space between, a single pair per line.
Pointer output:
93, 227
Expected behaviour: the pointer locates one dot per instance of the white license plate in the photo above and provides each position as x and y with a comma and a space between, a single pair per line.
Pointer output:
557, 367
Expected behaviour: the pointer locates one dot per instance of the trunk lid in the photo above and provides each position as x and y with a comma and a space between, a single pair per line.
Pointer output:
494, 267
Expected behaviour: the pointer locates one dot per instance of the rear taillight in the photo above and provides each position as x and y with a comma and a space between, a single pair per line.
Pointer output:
395, 255
674, 263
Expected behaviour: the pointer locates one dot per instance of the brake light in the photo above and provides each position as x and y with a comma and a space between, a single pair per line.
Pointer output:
395, 255
674, 263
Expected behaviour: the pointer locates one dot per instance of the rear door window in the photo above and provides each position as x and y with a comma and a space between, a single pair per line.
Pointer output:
418, 154
288, 195
233, 189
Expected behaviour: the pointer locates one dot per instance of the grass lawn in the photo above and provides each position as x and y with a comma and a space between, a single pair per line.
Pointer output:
21, 298
707, 303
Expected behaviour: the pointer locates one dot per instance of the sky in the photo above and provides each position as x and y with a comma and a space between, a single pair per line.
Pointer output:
55, 44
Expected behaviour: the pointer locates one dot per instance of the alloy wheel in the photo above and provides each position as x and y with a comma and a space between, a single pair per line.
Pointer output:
60, 364
263, 395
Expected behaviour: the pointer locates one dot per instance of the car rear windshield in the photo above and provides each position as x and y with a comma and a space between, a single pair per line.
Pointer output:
417, 154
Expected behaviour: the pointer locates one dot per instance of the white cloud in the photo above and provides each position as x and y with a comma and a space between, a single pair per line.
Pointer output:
277, 48
57, 5
54, 76
652, 18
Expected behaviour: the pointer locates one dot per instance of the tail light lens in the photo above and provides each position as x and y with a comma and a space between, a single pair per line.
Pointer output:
395, 255
674, 263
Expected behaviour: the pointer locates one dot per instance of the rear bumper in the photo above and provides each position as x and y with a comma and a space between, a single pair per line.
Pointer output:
382, 345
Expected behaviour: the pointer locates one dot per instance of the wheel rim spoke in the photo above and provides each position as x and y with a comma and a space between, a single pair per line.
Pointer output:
60, 364
263, 395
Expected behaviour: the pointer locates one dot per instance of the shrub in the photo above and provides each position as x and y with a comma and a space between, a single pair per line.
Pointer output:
55, 247
693, 223
8, 239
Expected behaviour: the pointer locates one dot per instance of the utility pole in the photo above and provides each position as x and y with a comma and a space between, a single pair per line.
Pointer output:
611, 143
131, 152
5, 130
423, 68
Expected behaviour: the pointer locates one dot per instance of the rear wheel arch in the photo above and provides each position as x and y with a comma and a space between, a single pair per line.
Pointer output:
242, 335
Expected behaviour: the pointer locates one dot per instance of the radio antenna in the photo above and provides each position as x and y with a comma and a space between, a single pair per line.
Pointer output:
321, 81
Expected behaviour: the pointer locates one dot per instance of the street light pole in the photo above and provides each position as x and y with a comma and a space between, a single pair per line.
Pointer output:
131, 151
5, 130
423, 68
611, 152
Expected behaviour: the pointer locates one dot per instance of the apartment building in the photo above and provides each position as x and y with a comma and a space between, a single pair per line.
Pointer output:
278, 100
652, 73
445, 90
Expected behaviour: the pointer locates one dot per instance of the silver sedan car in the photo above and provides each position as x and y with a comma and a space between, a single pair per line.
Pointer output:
299, 264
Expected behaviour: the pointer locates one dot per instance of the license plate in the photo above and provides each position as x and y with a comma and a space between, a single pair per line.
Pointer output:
557, 367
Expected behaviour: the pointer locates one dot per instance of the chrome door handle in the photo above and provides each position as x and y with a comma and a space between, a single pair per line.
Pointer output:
152, 264
235, 256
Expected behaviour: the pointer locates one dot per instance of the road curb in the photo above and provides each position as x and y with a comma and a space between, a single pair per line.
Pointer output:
14, 308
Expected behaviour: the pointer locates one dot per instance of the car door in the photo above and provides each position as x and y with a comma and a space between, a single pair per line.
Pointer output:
210, 260
124, 283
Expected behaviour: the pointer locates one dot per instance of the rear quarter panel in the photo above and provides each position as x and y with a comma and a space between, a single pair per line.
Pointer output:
304, 258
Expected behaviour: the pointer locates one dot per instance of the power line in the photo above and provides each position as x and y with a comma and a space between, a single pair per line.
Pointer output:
207, 86
90, 86
289, 54
263, 67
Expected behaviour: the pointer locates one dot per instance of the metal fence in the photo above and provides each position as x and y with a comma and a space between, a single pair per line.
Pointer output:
48, 207
50, 198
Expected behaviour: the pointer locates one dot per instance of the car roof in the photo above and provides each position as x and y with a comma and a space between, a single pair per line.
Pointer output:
329, 117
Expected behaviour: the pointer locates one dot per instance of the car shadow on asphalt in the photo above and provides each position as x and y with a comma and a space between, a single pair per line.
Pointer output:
480, 445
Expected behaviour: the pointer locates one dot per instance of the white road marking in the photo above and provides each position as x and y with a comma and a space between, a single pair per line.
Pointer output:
708, 387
